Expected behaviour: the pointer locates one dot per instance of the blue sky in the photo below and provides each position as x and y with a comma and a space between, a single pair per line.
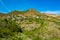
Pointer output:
47, 6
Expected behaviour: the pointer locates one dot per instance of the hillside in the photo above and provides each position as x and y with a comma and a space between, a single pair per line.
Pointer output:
29, 25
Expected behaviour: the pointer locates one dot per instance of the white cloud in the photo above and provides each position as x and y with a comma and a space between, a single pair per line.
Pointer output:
51, 12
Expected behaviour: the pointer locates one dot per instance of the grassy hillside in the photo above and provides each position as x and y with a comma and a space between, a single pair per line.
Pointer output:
29, 25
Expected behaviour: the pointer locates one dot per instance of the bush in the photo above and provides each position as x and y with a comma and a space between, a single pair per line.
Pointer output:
8, 28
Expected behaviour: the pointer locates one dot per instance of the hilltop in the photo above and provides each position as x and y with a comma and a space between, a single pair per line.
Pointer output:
29, 25
29, 12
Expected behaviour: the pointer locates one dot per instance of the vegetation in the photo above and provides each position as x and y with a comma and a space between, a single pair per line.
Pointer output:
36, 27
